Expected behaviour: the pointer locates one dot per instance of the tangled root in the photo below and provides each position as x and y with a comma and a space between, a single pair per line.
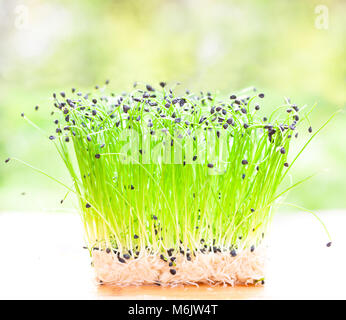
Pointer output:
210, 268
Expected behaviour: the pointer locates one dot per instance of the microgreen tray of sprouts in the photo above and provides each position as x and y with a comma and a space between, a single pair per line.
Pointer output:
175, 187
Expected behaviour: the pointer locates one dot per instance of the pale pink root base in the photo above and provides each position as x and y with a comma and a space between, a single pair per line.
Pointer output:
211, 268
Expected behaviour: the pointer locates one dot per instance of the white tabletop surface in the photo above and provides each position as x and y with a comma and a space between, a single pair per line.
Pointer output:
42, 258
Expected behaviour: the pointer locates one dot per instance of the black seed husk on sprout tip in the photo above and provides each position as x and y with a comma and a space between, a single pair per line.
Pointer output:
162, 257
121, 260
87, 206
150, 88
173, 271
244, 162
7, 160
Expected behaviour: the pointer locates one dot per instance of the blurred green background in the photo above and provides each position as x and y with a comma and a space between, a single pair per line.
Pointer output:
278, 46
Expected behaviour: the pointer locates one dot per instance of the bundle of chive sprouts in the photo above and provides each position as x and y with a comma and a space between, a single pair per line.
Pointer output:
175, 188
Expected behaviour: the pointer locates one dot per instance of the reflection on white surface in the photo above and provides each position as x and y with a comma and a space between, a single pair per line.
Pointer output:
300, 265
42, 257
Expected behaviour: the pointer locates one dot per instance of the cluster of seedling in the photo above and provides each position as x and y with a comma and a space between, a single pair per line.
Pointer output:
210, 186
